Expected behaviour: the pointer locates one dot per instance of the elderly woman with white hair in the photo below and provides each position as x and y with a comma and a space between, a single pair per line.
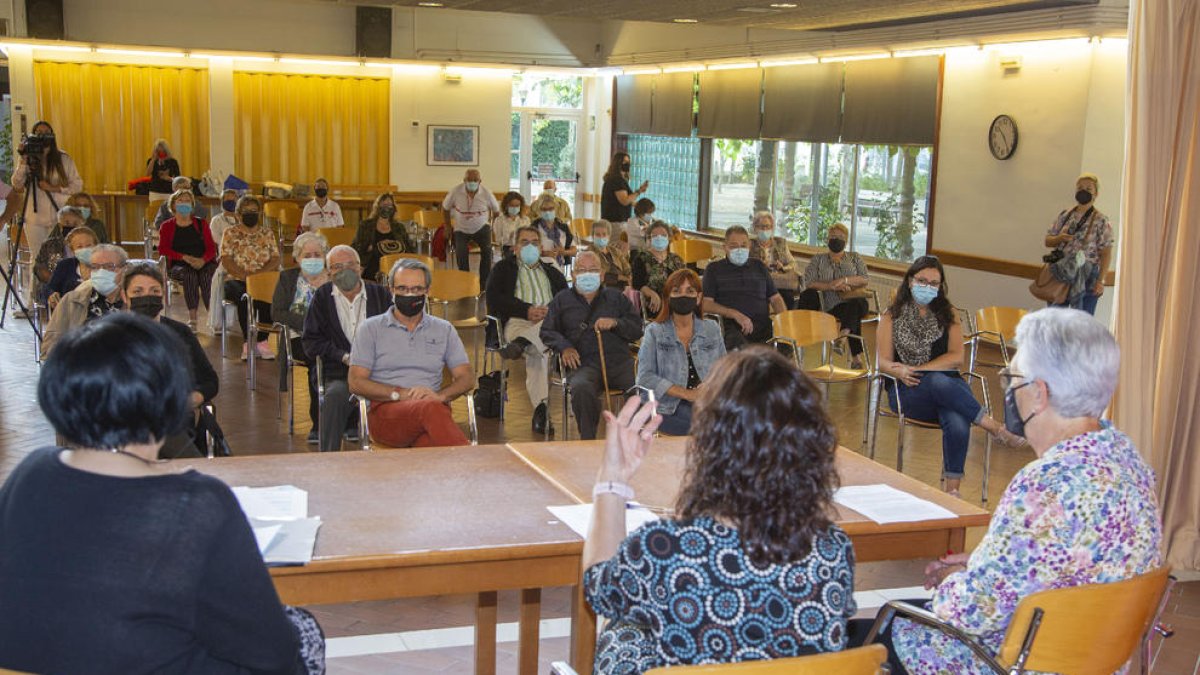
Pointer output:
1083, 512
293, 295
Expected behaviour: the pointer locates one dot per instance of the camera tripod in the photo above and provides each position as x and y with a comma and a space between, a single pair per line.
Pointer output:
9, 273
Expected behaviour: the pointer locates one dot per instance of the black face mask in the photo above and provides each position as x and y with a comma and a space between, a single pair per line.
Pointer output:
625, 167
250, 218
321, 192
1012, 417
682, 305
1083, 196
409, 305
837, 245
146, 305
387, 212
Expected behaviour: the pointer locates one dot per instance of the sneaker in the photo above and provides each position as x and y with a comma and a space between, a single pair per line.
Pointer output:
541, 420
245, 351
264, 351
313, 438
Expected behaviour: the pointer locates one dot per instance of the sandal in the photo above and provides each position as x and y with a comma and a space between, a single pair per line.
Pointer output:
1008, 439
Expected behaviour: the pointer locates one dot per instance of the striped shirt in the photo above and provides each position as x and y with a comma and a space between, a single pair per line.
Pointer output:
822, 268
533, 286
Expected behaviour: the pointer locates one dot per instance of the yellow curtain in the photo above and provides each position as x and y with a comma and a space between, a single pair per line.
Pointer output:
296, 128
107, 117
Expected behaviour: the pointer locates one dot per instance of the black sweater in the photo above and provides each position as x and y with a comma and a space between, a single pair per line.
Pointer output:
160, 574
204, 378
502, 298
323, 335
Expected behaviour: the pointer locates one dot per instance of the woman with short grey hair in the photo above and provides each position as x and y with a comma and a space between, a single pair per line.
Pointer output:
1083, 512
293, 294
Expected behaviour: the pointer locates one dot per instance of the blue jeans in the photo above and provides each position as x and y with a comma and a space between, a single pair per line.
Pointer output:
945, 400
679, 422
1087, 302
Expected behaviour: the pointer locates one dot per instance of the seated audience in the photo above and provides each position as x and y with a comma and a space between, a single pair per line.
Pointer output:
72, 269
741, 292
1084, 512
558, 244
115, 563
397, 362
837, 277
467, 210
91, 214
336, 312
293, 295
249, 248
678, 351
142, 290
576, 322
519, 292
162, 169
773, 251
637, 228
562, 210
54, 249
191, 254
321, 211
164, 212
510, 219
225, 219
91, 299
651, 266
614, 256
380, 234
920, 343
750, 565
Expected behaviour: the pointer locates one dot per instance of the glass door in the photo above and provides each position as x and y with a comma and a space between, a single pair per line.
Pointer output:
545, 147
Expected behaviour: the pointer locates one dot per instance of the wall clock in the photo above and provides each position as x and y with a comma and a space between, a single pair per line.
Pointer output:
1002, 137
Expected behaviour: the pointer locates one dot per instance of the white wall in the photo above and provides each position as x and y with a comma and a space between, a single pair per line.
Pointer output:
1068, 102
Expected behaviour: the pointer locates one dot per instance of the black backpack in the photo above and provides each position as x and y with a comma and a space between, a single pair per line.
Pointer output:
487, 396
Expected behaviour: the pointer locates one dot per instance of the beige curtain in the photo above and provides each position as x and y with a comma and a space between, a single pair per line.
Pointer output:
1157, 322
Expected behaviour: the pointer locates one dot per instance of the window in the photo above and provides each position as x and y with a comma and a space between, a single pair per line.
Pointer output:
893, 201
539, 90
672, 165
736, 183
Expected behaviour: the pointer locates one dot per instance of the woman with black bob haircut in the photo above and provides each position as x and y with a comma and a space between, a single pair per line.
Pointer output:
114, 562
750, 566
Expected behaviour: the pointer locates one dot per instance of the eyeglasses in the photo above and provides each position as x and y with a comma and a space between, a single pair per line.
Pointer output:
587, 270
111, 267
1006, 380
926, 284
409, 290
338, 267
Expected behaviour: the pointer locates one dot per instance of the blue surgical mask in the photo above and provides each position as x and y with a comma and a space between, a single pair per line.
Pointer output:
765, 235
587, 282
472, 185
659, 242
548, 216
184, 209
739, 256
530, 254
513, 211
923, 294
86, 211
104, 281
84, 255
600, 242
229, 205
312, 266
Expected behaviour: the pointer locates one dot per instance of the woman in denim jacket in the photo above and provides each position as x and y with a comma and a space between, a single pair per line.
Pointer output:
678, 350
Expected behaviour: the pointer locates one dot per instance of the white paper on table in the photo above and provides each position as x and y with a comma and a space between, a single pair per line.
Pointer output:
264, 535
578, 517
885, 504
280, 502
293, 543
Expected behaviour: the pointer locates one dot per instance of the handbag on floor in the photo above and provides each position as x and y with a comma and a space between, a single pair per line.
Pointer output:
487, 396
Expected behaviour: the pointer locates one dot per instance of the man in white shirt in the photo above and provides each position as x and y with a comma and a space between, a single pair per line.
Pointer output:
321, 211
562, 210
337, 310
468, 209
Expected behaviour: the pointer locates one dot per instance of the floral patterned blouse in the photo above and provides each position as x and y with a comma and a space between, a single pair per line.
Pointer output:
648, 271
778, 259
1091, 236
249, 247
1085, 512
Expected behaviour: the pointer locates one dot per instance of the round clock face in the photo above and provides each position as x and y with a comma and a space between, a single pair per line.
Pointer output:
1002, 137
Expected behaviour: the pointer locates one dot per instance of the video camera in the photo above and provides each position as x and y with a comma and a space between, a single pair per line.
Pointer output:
31, 148
1053, 256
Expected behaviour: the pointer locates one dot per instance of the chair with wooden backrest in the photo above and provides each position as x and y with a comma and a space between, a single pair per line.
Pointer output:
260, 287
995, 326
336, 236
407, 211
364, 426
452, 286
692, 250
289, 219
582, 227
430, 220
868, 660
149, 231
386, 262
1090, 629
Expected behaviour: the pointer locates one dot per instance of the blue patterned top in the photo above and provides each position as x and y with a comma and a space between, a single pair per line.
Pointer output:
1085, 512
685, 592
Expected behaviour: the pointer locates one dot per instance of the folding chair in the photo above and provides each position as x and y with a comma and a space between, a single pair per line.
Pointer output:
452, 286
430, 220
386, 262
1090, 628
407, 211
868, 660
336, 236
364, 426
996, 326
260, 286
801, 328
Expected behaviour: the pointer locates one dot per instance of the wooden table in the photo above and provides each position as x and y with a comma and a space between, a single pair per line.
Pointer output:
420, 522
572, 467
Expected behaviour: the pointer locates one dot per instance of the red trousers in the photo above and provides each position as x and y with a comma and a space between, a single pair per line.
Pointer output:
420, 424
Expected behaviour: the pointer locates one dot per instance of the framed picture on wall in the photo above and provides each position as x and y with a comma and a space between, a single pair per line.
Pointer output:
453, 145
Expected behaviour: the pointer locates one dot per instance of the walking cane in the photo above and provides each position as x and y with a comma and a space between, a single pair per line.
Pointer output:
603, 370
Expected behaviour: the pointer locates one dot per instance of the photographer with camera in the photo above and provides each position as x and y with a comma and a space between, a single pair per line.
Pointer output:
49, 176
1082, 239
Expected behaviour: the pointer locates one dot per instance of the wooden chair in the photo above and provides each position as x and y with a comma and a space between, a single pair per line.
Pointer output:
339, 236
289, 219
582, 227
453, 286
407, 211
149, 231
868, 660
260, 286
692, 251
430, 220
386, 262
995, 326
1090, 629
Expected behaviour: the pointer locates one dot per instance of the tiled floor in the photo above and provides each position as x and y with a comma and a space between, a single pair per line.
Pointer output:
433, 634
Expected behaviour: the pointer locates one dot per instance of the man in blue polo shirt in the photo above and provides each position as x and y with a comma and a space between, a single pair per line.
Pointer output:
397, 362
740, 290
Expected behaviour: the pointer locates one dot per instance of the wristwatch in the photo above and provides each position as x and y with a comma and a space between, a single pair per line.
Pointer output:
395, 395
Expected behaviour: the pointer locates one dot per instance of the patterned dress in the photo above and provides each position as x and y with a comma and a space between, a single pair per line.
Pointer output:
679, 593
1085, 512
648, 271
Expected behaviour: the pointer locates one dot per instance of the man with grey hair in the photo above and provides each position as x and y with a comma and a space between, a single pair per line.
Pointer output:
164, 212
397, 363
91, 299
338, 309
581, 321
562, 210
468, 209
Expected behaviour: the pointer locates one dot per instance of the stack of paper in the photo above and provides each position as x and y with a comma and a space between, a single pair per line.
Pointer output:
578, 517
279, 517
886, 504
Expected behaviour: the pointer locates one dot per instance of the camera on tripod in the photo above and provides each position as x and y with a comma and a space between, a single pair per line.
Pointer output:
1053, 256
31, 148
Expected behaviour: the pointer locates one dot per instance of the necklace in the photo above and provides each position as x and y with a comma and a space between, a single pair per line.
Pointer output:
143, 460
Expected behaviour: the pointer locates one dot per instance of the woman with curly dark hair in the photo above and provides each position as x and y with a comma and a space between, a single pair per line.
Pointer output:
751, 566
921, 349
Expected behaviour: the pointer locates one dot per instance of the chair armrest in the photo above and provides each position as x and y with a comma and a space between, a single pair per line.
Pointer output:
364, 429
561, 668
866, 353
490, 319
879, 376
930, 620
471, 425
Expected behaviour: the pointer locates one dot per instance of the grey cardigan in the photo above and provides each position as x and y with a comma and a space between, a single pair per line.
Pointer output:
662, 360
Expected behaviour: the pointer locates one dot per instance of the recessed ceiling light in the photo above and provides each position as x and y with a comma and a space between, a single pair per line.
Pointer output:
783, 5
431, 4
684, 20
